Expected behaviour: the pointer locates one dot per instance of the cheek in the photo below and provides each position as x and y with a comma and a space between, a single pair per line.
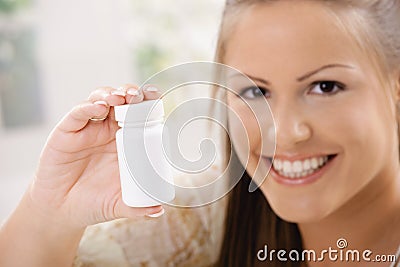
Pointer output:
360, 131
345, 129
244, 126
352, 130
244, 132
361, 127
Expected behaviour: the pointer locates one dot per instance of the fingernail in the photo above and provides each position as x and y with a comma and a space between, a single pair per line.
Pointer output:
133, 92
156, 215
118, 92
151, 89
101, 102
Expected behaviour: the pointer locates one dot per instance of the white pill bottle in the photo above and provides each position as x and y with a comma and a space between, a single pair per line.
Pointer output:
145, 173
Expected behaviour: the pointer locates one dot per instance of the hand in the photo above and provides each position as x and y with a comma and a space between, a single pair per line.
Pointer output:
77, 180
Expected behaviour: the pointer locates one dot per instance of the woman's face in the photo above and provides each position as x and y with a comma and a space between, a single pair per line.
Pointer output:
335, 126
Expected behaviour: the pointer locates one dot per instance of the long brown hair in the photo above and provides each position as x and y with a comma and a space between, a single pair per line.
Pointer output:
250, 225
250, 222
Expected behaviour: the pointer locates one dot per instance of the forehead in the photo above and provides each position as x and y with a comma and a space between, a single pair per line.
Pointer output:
289, 33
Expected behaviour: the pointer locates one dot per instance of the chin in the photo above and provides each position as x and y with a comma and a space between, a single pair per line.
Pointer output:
298, 211
299, 216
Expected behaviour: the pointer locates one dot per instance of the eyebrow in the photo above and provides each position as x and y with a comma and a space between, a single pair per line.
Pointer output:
257, 79
311, 73
307, 75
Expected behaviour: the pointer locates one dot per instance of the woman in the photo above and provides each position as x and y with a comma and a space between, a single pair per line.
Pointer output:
331, 73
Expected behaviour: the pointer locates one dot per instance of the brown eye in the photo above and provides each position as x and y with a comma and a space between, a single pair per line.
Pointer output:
326, 87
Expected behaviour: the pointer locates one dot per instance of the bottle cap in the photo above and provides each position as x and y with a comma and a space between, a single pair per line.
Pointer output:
148, 110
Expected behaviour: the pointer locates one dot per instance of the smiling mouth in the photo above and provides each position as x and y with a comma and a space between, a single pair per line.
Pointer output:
299, 168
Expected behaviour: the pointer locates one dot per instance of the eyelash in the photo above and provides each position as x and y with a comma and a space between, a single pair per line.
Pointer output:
339, 87
253, 89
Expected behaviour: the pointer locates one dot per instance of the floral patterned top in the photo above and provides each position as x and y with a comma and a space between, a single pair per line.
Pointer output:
180, 237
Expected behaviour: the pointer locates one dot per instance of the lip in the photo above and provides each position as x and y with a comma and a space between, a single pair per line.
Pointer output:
311, 178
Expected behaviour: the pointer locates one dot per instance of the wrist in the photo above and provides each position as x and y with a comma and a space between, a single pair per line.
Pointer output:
43, 239
47, 205
49, 217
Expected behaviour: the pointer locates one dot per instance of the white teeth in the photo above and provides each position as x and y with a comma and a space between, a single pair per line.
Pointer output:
298, 168
314, 163
278, 165
306, 165
287, 166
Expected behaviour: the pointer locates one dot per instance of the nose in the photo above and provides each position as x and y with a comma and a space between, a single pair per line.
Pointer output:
291, 126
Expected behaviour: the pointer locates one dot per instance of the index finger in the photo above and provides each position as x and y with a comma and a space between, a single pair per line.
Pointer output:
80, 115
